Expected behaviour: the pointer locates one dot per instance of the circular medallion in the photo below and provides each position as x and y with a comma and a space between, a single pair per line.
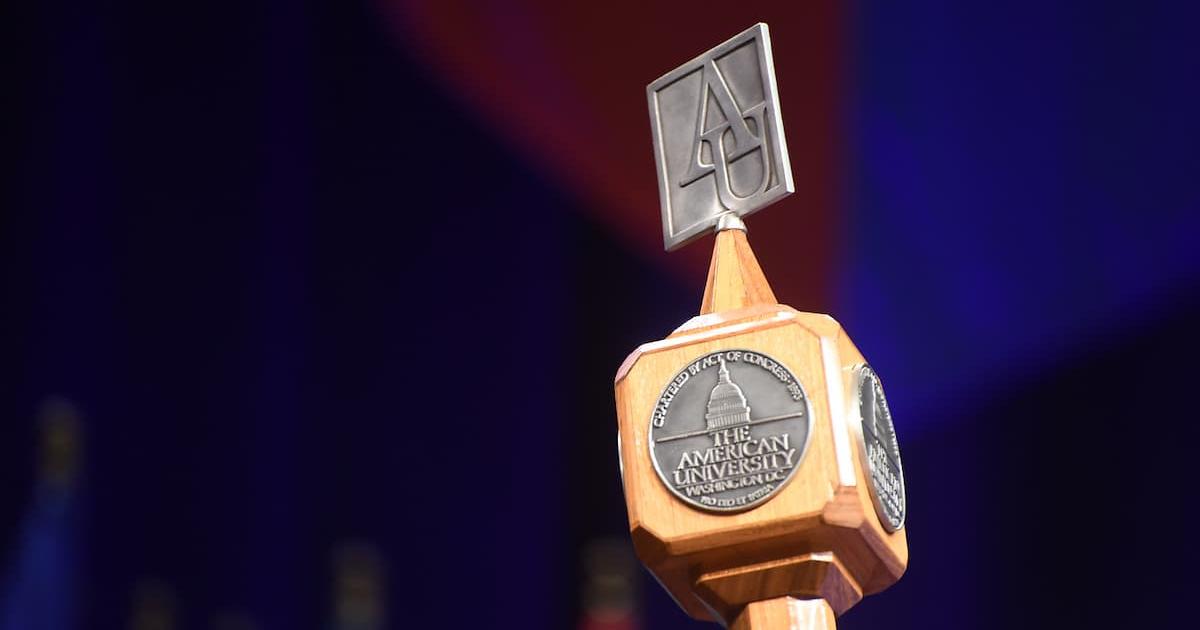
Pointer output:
729, 430
880, 450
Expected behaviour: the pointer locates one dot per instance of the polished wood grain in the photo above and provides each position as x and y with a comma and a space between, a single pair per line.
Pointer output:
811, 575
785, 613
819, 536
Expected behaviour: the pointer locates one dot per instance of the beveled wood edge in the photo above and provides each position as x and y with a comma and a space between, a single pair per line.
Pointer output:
727, 324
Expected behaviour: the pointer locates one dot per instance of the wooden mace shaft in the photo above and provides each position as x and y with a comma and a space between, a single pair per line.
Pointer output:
786, 613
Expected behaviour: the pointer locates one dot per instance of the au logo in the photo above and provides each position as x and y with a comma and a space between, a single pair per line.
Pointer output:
718, 137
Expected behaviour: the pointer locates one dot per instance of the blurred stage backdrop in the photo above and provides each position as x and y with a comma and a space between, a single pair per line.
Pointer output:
310, 310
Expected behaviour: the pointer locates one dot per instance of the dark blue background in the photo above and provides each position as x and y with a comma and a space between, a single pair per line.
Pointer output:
300, 297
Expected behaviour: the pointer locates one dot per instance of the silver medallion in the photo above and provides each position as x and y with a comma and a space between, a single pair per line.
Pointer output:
718, 137
729, 430
880, 450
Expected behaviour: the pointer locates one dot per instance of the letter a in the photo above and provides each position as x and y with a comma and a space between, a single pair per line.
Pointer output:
744, 140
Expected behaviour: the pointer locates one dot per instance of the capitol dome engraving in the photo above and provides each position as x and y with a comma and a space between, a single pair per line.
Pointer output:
727, 404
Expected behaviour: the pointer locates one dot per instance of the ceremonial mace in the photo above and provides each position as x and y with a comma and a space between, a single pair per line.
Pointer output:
760, 465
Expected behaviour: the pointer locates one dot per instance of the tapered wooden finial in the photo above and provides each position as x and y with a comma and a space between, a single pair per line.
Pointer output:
734, 278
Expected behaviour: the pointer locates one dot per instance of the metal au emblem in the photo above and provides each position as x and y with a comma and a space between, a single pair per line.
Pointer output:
718, 137
880, 450
729, 430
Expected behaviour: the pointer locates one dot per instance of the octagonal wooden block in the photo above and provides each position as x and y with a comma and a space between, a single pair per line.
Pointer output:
816, 537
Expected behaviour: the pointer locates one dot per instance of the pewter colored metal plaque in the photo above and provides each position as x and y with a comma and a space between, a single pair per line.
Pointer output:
718, 137
880, 450
729, 430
